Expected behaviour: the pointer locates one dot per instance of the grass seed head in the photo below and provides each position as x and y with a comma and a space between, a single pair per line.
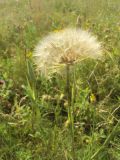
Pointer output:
68, 46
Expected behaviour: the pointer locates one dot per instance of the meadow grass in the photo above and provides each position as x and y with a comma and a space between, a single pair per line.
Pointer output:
34, 122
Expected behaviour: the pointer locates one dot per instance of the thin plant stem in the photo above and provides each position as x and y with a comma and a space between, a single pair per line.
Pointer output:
72, 107
68, 84
70, 98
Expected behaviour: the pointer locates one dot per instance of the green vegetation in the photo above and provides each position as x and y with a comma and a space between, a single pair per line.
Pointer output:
34, 122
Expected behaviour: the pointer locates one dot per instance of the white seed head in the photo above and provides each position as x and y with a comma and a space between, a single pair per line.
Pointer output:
67, 46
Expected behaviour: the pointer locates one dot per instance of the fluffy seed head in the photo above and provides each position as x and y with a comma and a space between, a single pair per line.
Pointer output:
67, 46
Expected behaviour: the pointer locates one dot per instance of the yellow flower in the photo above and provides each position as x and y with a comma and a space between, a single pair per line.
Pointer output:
67, 123
93, 98
62, 96
29, 55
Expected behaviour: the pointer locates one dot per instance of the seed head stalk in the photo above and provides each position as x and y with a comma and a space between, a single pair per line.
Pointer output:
71, 89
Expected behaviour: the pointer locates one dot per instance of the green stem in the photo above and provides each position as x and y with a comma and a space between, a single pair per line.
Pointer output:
70, 98
68, 84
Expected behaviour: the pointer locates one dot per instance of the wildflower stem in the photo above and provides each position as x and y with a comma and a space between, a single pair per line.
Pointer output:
70, 98
68, 84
